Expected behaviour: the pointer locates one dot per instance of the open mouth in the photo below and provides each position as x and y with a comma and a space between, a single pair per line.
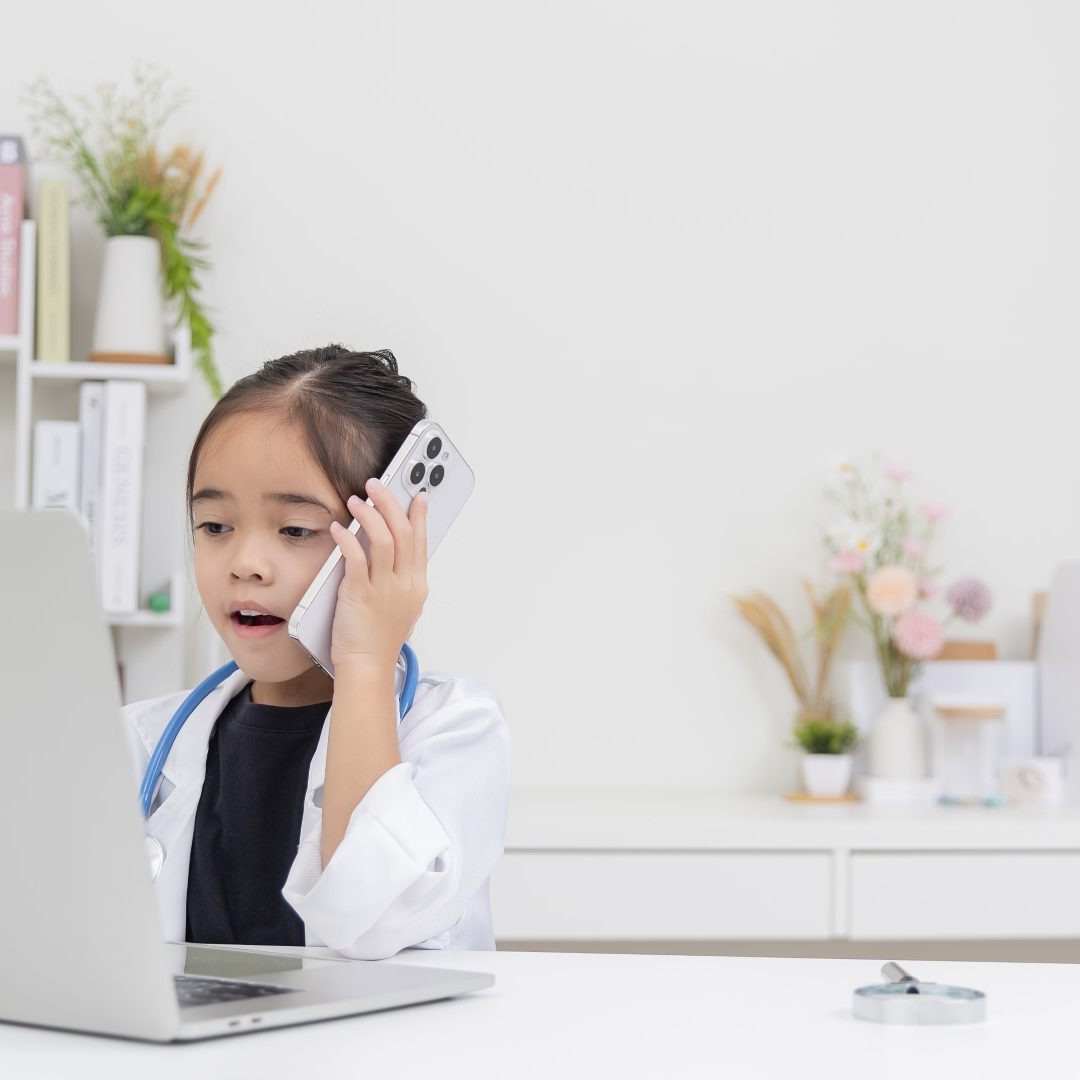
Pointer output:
255, 620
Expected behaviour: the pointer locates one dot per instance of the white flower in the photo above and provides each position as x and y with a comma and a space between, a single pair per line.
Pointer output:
851, 535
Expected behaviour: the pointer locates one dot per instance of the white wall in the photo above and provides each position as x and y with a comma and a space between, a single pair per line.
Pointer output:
651, 264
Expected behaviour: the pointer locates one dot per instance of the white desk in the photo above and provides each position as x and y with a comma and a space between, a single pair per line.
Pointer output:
589, 1015
680, 865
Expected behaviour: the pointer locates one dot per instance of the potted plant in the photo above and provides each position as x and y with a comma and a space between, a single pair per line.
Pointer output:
146, 200
880, 548
826, 763
816, 711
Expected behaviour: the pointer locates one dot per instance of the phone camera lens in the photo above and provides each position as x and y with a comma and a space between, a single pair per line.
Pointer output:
417, 473
437, 475
434, 447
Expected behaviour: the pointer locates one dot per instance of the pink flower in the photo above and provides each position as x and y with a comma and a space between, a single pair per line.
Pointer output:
914, 546
897, 473
927, 589
934, 511
970, 598
918, 635
847, 562
891, 589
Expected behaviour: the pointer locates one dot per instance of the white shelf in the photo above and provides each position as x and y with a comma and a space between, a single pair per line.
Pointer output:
145, 619
160, 379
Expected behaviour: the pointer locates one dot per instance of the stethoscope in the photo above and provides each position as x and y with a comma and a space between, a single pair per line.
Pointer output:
154, 849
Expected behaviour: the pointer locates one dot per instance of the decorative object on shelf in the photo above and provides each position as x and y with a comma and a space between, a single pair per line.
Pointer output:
146, 202
830, 619
967, 751
880, 548
827, 761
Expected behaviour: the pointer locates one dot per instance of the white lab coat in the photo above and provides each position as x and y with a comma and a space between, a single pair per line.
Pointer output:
413, 866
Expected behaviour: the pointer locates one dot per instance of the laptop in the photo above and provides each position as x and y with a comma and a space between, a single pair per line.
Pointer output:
80, 938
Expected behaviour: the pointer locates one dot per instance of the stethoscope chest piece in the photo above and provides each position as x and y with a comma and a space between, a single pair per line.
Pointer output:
155, 854
906, 1000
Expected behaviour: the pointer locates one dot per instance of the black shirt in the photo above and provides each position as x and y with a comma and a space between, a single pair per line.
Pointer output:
247, 826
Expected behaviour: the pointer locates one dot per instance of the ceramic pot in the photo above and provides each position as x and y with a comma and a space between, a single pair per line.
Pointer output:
129, 325
897, 743
826, 775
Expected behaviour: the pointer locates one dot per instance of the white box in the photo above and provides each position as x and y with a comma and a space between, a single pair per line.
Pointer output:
121, 494
56, 465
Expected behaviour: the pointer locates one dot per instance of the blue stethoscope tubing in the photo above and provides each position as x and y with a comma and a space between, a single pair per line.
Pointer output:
156, 763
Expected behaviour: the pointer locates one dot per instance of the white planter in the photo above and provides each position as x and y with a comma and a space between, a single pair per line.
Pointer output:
897, 744
130, 321
826, 775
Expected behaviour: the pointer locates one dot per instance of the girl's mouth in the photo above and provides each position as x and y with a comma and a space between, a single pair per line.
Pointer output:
255, 626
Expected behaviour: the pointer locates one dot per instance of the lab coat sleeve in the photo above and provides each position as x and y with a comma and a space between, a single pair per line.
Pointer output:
419, 845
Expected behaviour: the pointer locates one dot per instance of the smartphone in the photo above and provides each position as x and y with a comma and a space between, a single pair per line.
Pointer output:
427, 461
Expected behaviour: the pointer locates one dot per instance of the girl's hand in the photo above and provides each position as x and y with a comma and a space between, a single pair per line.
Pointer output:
379, 604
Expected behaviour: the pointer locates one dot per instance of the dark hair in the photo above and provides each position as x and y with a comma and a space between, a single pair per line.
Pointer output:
353, 407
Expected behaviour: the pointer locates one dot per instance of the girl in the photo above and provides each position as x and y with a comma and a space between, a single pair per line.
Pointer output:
294, 808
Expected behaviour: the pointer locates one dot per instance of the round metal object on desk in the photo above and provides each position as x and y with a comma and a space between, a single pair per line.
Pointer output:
906, 1000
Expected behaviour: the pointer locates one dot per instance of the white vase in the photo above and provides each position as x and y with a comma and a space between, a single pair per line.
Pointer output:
826, 775
129, 324
897, 744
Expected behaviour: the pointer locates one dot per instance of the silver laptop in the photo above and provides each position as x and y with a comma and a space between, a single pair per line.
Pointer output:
80, 940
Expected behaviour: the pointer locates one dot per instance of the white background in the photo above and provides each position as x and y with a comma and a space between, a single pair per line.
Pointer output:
653, 266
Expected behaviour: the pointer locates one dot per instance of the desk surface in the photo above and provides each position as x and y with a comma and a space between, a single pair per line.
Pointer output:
565, 1014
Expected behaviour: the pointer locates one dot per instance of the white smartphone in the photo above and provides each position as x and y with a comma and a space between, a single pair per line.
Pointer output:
427, 461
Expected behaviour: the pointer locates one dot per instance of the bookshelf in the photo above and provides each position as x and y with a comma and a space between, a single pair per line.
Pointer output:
30, 373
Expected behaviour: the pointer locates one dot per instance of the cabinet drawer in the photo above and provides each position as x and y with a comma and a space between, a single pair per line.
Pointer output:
953, 894
612, 895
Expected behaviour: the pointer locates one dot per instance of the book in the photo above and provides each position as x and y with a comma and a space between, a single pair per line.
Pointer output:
121, 493
56, 465
91, 424
53, 272
12, 212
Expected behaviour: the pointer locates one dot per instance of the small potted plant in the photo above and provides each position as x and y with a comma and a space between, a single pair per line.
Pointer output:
826, 763
146, 200
816, 720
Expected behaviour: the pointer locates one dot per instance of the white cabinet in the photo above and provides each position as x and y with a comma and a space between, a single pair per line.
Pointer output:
965, 894
666, 866
675, 895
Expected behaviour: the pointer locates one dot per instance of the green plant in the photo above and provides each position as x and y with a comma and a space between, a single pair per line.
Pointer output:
826, 736
109, 141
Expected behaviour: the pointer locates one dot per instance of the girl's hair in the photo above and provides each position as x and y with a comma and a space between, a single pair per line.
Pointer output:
354, 409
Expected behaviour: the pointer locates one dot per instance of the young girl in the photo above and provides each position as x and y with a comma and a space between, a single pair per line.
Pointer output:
295, 808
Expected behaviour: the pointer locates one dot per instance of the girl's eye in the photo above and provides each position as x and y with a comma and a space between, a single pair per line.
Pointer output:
211, 528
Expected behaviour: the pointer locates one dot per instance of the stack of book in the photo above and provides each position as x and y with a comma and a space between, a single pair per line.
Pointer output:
93, 467
52, 334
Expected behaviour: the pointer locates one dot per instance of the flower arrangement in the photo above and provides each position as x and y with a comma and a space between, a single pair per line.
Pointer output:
830, 618
881, 549
133, 189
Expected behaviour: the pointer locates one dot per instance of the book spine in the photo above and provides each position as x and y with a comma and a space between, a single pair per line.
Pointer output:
91, 417
53, 272
56, 465
121, 493
12, 212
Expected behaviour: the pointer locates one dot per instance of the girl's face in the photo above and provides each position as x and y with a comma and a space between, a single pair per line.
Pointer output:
262, 509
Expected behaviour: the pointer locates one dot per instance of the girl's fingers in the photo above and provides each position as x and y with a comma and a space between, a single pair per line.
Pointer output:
399, 525
356, 565
380, 540
418, 515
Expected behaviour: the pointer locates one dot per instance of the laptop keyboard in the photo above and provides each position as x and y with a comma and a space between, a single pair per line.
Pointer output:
194, 990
